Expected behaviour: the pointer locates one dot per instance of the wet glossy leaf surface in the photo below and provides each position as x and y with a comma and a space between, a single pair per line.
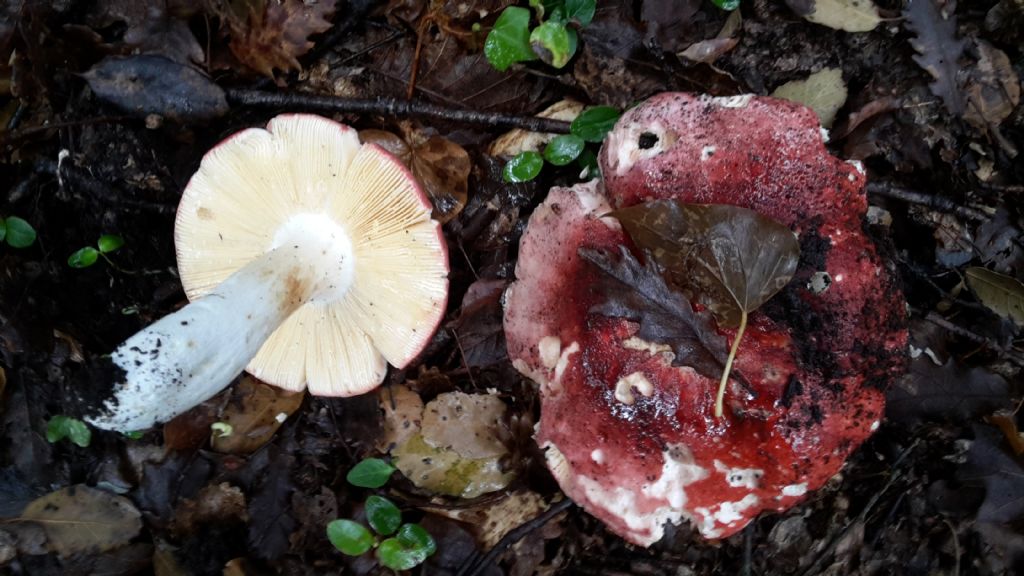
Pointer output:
729, 259
593, 124
523, 168
509, 41
350, 537
382, 514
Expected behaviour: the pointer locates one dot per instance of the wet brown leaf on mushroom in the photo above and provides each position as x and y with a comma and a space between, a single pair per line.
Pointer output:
730, 259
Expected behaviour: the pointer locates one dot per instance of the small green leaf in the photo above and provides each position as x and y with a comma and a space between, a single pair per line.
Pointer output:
509, 41
134, 435
370, 473
384, 517
582, 11
83, 257
415, 536
408, 549
728, 5
563, 149
350, 537
588, 165
523, 168
60, 427
552, 43
109, 243
593, 124
20, 233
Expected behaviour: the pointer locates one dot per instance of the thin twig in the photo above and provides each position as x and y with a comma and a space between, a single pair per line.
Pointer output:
391, 107
515, 535
101, 192
939, 203
1007, 353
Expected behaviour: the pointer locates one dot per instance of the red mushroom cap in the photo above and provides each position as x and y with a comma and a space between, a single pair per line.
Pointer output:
632, 438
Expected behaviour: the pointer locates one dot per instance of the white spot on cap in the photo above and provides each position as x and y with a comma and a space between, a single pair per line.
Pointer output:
839, 277
819, 282
740, 101
749, 478
875, 425
563, 360
732, 512
597, 456
824, 134
634, 343
550, 347
707, 152
624, 387
794, 490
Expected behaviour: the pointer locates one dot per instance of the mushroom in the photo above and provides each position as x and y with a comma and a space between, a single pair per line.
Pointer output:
310, 260
632, 437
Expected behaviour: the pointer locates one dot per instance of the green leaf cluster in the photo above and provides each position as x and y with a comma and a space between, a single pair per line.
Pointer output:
88, 255
591, 126
16, 232
406, 545
553, 40
61, 427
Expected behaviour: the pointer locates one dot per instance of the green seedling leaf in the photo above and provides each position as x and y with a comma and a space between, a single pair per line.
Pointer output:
407, 550
727, 5
349, 537
20, 233
730, 259
134, 435
582, 11
509, 41
384, 517
83, 257
61, 427
416, 537
553, 43
523, 168
109, 243
370, 473
1000, 293
563, 149
593, 124
221, 429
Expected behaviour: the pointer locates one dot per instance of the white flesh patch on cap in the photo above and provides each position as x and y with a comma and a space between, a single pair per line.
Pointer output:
740, 101
646, 526
749, 478
794, 490
635, 343
624, 387
550, 348
625, 141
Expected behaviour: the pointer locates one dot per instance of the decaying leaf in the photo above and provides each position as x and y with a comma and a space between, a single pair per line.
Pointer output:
1002, 294
938, 49
441, 167
216, 503
458, 449
80, 519
479, 327
495, 518
992, 87
848, 15
516, 141
403, 415
730, 259
945, 392
150, 84
268, 35
1006, 421
707, 51
824, 92
152, 27
254, 412
989, 465
638, 292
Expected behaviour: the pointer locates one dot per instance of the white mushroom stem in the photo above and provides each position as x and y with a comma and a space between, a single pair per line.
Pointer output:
189, 356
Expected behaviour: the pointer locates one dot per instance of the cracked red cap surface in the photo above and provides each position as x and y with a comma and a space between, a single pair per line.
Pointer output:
632, 438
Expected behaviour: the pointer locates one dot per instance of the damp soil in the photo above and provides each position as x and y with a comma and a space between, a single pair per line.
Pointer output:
935, 491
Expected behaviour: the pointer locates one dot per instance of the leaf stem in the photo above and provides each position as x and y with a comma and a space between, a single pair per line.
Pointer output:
719, 400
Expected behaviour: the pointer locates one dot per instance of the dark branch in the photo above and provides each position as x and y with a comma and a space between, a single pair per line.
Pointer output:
939, 203
391, 107
515, 535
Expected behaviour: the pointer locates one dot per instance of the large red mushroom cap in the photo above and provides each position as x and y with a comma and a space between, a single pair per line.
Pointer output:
631, 437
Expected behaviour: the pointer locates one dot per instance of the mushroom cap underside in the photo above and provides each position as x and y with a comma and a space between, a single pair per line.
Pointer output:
306, 169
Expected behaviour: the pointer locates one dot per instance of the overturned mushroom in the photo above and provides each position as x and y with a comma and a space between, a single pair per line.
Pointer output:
629, 432
311, 261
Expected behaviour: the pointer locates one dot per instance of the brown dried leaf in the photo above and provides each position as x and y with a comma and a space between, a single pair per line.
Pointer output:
217, 503
731, 259
255, 411
442, 167
152, 27
80, 519
1006, 421
707, 51
938, 49
824, 92
403, 414
1002, 294
473, 425
272, 34
993, 87
479, 327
